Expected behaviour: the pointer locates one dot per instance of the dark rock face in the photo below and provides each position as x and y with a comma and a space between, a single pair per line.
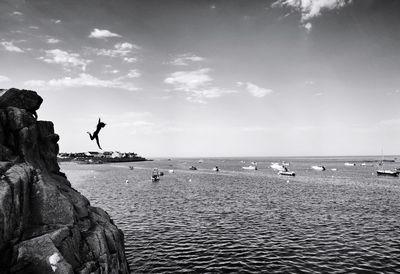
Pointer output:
45, 225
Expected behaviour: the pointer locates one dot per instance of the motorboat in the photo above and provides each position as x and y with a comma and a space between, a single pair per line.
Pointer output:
155, 176
278, 167
201, 161
287, 173
216, 169
192, 168
131, 167
350, 164
318, 168
250, 167
171, 171
334, 169
392, 173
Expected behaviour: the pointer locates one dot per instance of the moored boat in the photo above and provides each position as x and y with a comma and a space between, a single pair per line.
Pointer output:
392, 173
278, 167
192, 168
250, 167
350, 164
318, 168
155, 176
287, 173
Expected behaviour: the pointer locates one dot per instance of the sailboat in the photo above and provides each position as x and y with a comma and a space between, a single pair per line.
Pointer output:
387, 172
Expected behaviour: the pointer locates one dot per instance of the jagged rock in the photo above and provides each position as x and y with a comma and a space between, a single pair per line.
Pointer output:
23, 99
45, 225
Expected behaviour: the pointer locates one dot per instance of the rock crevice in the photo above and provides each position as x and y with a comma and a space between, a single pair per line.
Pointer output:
46, 226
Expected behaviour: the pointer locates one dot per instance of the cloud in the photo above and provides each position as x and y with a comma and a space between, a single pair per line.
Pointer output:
130, 59
9, 46
17, 13
254, 90
197, 84
189, 80
65, 59
311, 8
4, 79
83, 80
55, 21
133, 73
102, 34
119, 50
185, 59
308, 26
53, 41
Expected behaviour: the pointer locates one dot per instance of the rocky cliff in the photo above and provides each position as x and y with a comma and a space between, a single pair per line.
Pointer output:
46, 226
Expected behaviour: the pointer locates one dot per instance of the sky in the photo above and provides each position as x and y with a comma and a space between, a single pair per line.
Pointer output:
202, 78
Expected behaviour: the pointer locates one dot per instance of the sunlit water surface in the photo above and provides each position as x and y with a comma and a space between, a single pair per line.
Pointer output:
249, 221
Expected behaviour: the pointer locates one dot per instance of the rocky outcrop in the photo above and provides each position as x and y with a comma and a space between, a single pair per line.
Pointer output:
46, 226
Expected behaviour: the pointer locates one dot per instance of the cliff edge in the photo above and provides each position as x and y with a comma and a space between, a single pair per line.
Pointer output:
46, 226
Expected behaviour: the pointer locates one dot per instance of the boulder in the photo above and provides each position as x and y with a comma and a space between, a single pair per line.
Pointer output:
46, 226
21, 98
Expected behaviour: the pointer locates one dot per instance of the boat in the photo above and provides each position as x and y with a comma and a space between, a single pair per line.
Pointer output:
278, 167
131, 167
171, 171
192, 168
392, 173
216, 169
201, 161
287, 173
350, 164
383, 172
318, 168
334, 169
250, 167
155, 176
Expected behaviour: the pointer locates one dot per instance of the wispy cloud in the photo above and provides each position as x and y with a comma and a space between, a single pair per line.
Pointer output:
56, 21
311, 8
197, 84
65, 59
83, 80
17, 13
102, 34
4, 79
9, 46
185, 59
119, 50
254, 90
53, 41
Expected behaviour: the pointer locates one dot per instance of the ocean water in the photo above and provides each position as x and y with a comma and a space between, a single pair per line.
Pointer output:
244, 221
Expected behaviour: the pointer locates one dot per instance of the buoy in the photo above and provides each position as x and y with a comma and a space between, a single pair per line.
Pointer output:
190, 180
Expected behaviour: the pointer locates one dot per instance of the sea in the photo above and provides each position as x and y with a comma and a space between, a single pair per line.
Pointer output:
345, 220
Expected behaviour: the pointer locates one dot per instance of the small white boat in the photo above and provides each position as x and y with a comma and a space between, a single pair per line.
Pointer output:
277, 166
250, 167
287, 173
171, 171
155, 176
285, 163
318, 168
254, 163
201, 161
387, 173
363, 164
350, 164
334, 169
216, 169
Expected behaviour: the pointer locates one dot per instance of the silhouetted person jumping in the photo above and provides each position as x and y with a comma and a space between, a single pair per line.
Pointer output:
95, 135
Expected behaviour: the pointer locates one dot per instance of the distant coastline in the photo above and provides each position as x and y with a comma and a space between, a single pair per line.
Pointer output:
94, 157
